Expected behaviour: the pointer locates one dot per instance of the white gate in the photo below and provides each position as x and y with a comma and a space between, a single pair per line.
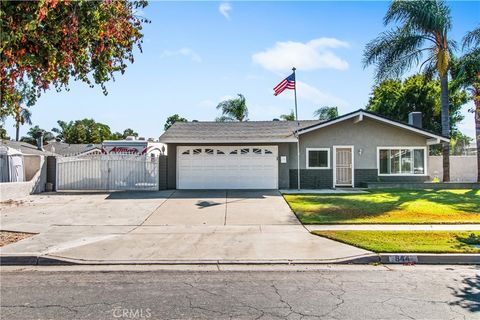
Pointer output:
108, 172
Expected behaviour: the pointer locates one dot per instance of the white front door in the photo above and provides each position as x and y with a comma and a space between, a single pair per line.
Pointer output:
343, 166
227, 167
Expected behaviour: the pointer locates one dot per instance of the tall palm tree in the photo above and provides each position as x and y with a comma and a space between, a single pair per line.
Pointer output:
466, 74
420, 39
233, 109
22, 116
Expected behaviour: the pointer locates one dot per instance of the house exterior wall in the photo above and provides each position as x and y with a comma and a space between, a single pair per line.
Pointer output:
366, 135
283, 168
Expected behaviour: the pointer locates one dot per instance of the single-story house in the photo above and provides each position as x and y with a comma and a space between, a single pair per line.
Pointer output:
348, 151
76, 149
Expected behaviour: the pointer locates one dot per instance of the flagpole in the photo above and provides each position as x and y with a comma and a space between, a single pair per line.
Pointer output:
298, 127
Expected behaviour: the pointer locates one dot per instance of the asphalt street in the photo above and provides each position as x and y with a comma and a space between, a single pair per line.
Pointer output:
323, 292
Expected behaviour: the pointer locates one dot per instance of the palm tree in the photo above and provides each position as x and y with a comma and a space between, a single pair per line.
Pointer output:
233, 109
466, 75
288, 117
22, 116
326, 113
420, 39
34, 133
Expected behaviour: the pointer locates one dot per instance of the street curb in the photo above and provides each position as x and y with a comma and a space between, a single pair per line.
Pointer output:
412, 258
26, 260
429, 258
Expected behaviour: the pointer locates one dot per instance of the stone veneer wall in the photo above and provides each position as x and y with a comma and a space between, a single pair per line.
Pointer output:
362, 176
312, 179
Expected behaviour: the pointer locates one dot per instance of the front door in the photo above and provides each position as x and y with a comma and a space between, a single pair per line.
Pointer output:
343, 171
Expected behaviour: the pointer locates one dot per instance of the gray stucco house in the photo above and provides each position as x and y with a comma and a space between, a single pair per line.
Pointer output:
348, 151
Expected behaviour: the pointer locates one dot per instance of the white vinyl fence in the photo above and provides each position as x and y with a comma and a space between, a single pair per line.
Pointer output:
108, 172
462, 168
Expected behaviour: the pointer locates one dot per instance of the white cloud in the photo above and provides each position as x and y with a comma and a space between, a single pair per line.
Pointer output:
225, 9
186, 52
318, 98
315, 54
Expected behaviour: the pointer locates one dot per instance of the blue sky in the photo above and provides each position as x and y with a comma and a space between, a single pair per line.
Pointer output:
196, 54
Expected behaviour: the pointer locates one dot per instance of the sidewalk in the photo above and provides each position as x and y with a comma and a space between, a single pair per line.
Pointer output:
394, 227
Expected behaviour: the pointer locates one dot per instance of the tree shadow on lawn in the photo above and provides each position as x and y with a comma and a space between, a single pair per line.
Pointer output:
337, 208
469, 295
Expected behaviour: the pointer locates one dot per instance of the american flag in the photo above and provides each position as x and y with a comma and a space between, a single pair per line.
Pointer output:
287, 83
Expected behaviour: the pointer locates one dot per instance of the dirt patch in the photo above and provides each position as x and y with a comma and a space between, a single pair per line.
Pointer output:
7, 237
11, 202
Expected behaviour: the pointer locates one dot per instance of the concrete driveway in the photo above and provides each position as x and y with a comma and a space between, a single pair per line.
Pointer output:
223, 207
166, 227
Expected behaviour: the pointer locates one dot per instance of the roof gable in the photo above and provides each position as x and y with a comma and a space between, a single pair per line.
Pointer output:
359, 114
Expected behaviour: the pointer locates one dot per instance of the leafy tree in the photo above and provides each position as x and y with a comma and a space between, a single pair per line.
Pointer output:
326, 113
233, 109
466, 74
34, 133
22, 116
3, 133
122, 136
288, 117
459, 143
422, 30
172, 119
45, 43
395, 99
82, 131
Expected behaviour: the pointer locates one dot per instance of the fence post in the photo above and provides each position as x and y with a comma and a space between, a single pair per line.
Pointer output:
52, 171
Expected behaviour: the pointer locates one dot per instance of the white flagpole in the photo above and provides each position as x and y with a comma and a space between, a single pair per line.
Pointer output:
298, 127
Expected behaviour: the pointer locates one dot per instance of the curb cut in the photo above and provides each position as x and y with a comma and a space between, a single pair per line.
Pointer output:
384, 258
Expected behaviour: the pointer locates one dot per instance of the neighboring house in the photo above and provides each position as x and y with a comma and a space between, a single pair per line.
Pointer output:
348, 151
67, 149
25, 148
26, 174
133, 145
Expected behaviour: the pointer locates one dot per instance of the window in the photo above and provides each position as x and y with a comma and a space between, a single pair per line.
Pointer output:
401, 161
234, 152
244, 151
197, 151
318, 158
220, 152
257, 151
268, 151
209, 151
186, 152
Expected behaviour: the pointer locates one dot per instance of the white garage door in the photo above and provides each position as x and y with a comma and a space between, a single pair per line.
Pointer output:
227, 167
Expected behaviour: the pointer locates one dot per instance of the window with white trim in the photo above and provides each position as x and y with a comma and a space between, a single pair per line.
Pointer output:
401, 161
318, 158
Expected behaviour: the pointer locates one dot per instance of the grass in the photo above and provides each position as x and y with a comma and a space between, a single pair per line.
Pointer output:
408, 241
388, 207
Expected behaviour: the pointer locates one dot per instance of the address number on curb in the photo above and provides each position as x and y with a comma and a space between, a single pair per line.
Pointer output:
402, 258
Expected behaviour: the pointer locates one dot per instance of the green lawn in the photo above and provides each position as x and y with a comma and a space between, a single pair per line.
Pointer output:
388, 206
408, 241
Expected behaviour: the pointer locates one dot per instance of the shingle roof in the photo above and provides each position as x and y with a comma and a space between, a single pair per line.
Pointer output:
233, 132
65, 149
24, 147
